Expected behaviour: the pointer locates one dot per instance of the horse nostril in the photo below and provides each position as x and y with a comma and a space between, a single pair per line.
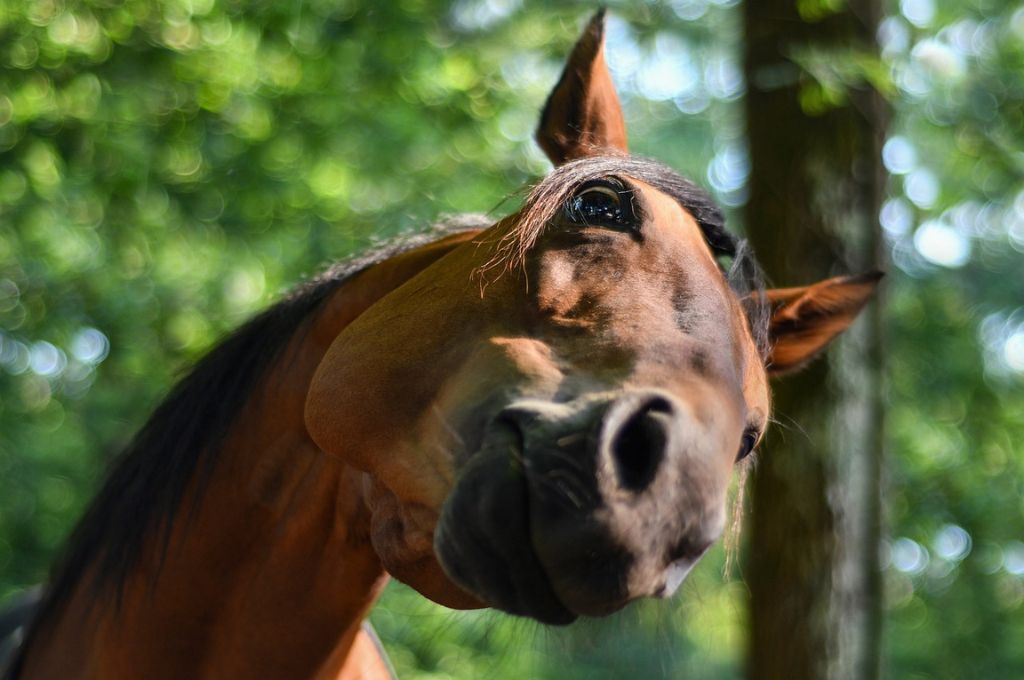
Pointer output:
638, 447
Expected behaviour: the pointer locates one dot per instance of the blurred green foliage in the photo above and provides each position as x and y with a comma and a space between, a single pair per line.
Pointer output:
167, 167
954, 224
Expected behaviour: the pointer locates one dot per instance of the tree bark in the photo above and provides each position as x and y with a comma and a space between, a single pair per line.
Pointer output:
815, 188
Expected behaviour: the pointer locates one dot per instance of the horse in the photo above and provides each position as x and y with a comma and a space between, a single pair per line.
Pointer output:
540, 414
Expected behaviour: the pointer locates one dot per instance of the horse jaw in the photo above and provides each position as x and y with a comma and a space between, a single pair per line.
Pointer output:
402, 535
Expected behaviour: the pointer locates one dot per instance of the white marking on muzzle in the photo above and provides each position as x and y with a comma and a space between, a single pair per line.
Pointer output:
675, 574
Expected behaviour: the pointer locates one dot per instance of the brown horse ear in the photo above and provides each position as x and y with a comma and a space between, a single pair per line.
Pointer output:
804, 320
583, 116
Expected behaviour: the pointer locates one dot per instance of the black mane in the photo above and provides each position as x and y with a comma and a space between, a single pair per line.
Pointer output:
144, 489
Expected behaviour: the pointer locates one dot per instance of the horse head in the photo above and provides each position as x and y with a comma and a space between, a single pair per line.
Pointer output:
548, 416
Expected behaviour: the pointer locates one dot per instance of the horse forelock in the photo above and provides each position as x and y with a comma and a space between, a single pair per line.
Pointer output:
549, 196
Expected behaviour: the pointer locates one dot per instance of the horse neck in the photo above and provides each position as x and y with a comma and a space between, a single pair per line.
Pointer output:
274, 571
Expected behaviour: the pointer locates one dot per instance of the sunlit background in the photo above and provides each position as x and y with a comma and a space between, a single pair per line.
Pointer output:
168, 167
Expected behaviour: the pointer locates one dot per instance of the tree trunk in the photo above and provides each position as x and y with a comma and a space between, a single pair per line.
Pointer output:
815, 188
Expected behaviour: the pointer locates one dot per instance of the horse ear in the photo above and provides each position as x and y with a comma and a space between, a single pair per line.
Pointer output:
582, 116
804, 320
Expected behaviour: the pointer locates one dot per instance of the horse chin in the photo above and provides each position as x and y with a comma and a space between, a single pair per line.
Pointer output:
483, 540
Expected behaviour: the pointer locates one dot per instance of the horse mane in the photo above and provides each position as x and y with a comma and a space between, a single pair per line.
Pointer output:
145, 486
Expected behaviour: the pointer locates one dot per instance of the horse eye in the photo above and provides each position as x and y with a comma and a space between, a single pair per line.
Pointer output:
600, 205
747, 445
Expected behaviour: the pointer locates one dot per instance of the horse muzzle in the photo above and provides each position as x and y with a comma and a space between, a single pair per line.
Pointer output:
579, 508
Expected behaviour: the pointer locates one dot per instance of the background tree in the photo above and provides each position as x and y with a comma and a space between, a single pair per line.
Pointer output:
815, 130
